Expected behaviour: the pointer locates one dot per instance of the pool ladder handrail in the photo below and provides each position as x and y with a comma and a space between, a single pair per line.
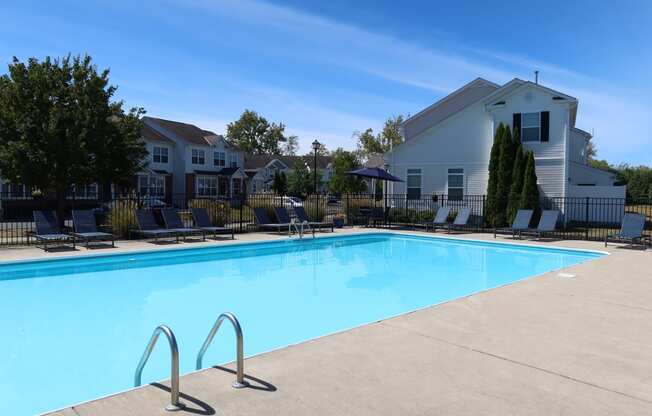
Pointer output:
239, 380
175, 404
300, 231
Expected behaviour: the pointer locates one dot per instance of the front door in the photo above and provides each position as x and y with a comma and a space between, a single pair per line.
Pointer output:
223, 185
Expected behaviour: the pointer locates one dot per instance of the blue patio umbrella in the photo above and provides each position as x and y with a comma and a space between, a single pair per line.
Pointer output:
375, 173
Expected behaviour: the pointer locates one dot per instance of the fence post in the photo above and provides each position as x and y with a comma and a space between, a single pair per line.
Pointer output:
586, 219
346, 209
242, 202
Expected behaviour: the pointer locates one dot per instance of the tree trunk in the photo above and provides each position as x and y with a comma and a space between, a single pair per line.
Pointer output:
61, 205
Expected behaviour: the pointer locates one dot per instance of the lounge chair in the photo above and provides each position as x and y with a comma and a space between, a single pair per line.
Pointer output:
85, 228
203, 222
148, 227
631, 230
461, 219
264, 223
174, 224
521, 222
547, 224
440, 220
302, 215
48, 231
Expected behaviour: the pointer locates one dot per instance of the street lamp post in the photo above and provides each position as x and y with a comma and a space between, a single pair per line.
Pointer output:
315, 146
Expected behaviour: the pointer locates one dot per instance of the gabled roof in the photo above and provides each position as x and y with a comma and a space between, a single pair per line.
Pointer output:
447, 106
261, 161
150, 134
188, 132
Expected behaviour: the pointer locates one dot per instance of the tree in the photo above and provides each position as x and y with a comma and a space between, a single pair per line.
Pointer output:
60, 127
280, 183
591, 151
505, 167
341, 182
530, 192
254, 134
390, 136
290, 147
518, 174
300, 181
492, 185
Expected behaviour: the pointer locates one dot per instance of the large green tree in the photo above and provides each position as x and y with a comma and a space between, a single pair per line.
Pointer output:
505, 167
254, 134
518, 174
341, 182
290, 147
280, 183
59, 126
390, 136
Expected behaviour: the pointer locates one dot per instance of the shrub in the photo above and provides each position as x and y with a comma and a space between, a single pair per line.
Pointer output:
122, 217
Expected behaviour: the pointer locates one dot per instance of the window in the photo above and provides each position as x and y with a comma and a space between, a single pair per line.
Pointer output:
531, 127
151, 186
83, 191
233, 160
455, 184
160, 154
413, 183
198, 157
219, 159
13, 190
207, 186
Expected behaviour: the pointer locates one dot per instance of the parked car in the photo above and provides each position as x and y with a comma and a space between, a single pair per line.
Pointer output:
288, 201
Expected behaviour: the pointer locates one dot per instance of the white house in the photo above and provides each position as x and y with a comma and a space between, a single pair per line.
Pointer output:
188, 161
448, 144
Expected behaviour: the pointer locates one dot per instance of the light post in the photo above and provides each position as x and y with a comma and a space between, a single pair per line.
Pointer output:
315, 146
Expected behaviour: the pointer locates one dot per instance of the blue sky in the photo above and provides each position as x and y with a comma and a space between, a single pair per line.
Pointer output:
326, 69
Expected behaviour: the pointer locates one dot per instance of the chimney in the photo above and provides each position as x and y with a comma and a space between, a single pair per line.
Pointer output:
536, 77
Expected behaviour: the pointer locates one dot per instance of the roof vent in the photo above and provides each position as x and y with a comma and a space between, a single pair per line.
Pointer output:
499, 103
557, 98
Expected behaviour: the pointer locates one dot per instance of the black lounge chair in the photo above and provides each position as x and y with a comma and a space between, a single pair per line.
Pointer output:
85, 228
631, 230
48, 231
174, 224
147, 226
461, 220
521, 223
283, 217
264, 223
547, 224
440, 220
302, 215
203, 222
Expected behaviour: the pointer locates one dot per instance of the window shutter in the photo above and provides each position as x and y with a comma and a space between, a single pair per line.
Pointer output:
516, 122
545, 126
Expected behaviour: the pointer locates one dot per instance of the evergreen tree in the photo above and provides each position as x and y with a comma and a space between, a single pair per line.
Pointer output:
505, 167
280, 184
530, 192
518, 173
490, 208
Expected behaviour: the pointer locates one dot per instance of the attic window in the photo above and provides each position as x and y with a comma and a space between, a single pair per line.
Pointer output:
557, 98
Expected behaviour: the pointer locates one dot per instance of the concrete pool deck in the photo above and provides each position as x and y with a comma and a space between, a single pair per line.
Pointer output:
565, 343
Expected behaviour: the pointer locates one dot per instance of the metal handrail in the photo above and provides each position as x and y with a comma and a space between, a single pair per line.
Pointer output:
175, 404
239, 380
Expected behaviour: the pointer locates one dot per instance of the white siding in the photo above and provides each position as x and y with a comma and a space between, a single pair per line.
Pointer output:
550, 177
461, 141
577, 147
586, 175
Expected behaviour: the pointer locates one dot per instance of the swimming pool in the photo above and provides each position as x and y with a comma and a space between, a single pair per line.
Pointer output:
74, 329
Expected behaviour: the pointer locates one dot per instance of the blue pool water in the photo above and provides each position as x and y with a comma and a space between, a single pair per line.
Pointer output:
74, 329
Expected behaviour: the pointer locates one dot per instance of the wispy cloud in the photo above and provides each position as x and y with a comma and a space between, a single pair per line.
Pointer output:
293, 34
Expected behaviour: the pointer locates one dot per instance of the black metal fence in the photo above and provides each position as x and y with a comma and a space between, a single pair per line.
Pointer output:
582, 218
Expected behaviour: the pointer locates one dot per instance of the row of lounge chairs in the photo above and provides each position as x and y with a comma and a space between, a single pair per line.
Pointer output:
174, 226
521, 224
284, 221
48, 233
440, 221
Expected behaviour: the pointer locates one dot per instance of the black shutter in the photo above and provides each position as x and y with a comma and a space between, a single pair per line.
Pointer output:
516, 122
545, 126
